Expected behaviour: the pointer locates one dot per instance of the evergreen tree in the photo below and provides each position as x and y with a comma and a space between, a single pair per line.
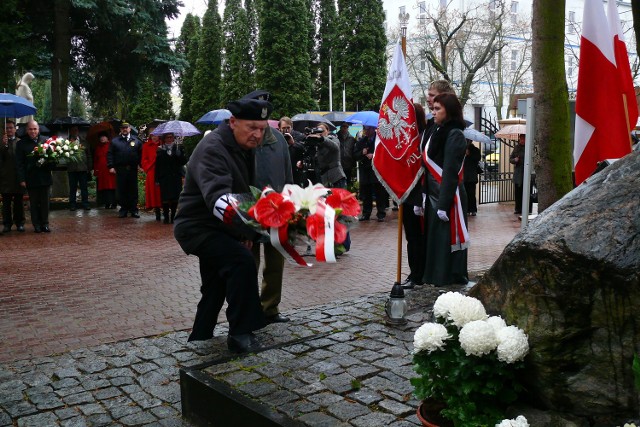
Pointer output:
282, 63
205, 94
362, 61
237, 69
187, 46
76, 105
153, 101
325, 42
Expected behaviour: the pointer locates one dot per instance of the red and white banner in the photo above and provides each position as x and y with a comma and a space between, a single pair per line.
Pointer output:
396, 159
622, 62
601, 130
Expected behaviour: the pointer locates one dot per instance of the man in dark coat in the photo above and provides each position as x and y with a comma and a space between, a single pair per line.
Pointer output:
12, 192
223, 164
347, 143
123, 159
34, 174
369, 183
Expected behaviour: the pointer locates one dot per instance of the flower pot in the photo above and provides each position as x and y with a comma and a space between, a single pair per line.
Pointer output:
429, 414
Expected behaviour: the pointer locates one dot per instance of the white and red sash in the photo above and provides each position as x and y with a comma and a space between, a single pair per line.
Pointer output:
459, 232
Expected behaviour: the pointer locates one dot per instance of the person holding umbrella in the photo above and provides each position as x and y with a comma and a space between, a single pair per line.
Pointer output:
105, 181
168, 174
123, 160
12, 192
152, 199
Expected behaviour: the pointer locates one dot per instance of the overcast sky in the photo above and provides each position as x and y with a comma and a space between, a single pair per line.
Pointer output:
195, 7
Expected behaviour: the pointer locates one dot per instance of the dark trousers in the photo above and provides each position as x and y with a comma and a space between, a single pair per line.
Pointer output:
15, 199
414, 234
228, 270
39, 205
518, 193
127, 186
382, 199
271, 287
78, 179
106, 198
472, 203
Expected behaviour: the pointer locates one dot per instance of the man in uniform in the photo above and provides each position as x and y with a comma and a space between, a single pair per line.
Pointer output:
223, 164
123, 160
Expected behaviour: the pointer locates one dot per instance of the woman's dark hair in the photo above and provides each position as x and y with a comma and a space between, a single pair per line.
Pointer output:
421, 117
452, 106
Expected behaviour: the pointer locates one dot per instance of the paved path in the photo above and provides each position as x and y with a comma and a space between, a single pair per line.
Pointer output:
95, 314
98, 278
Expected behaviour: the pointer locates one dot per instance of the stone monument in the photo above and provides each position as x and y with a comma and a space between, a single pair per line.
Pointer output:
23, 90
571, 280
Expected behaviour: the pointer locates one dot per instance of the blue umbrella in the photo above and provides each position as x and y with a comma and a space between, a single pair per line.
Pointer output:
15, 106
214, 117
176, 127
476, 135
364, 118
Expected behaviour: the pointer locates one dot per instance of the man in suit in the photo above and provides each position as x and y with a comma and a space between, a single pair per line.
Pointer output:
12, 192
123, 160
34, 174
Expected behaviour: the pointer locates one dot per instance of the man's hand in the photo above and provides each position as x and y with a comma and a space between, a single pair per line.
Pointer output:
23, 184
443, 216
112, 170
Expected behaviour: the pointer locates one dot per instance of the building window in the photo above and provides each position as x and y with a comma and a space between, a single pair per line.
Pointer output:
514, 12
493, 63
422, 7
423, 65
514, 60
570, 67
403, 10
571, 26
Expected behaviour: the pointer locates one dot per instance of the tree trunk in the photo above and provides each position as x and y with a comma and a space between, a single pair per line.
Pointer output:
61, 58
552, 144
635, 11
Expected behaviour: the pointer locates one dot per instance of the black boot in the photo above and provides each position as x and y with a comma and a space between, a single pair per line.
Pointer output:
165, 213
157, 210
173, 211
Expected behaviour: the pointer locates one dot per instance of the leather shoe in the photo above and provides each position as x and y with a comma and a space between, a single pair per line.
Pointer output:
364, 218
122, 214
6, 229
37, 229
277, 318
46, 229
243, 343
135, 215
20, 228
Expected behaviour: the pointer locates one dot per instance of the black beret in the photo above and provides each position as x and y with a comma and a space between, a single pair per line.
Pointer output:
258, 94
250, 109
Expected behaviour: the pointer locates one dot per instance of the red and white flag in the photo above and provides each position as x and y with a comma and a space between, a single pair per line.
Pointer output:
396, 159
622, 62
601, 129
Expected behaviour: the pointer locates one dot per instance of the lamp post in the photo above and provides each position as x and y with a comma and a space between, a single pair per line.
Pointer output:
404, 22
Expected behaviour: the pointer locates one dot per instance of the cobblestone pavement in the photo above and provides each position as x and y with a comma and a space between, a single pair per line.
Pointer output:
75, 303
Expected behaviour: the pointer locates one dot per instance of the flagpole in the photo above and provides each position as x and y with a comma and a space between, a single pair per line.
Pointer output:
404, 20
626, 116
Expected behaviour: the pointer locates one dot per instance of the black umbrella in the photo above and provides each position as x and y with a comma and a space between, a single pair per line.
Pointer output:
337, 117
304, 120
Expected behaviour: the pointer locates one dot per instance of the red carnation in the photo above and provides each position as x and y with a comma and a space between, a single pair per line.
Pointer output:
273, 210
345, 200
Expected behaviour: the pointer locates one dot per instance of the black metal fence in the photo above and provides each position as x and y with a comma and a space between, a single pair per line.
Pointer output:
496, 182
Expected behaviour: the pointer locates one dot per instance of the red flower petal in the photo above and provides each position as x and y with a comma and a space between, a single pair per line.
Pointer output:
273, 210
314, 224
340, 233
345, 200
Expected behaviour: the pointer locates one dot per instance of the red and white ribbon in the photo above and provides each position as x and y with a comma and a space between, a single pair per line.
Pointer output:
279, 237
325, 238
459, 232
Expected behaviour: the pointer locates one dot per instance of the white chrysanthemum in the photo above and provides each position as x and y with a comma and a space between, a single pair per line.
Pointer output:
521, 421
497, 322
66, 147
478, 338
430, 337
466, 310
513, 344
66, 154
444, 303
75, 147
305, 198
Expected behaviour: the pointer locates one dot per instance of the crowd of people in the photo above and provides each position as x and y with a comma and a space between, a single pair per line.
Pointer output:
244, 151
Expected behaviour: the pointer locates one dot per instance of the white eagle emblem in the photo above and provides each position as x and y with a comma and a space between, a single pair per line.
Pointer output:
397, 126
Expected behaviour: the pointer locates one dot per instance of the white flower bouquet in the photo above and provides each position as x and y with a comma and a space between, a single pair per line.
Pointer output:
468, 361
55, 149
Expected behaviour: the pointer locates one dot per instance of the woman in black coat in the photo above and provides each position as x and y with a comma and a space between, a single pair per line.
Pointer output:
170, 161
446, 199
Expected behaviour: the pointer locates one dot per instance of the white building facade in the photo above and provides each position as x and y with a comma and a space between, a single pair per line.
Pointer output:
507, 75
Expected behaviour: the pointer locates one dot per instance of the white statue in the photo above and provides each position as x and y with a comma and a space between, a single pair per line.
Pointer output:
23, 90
